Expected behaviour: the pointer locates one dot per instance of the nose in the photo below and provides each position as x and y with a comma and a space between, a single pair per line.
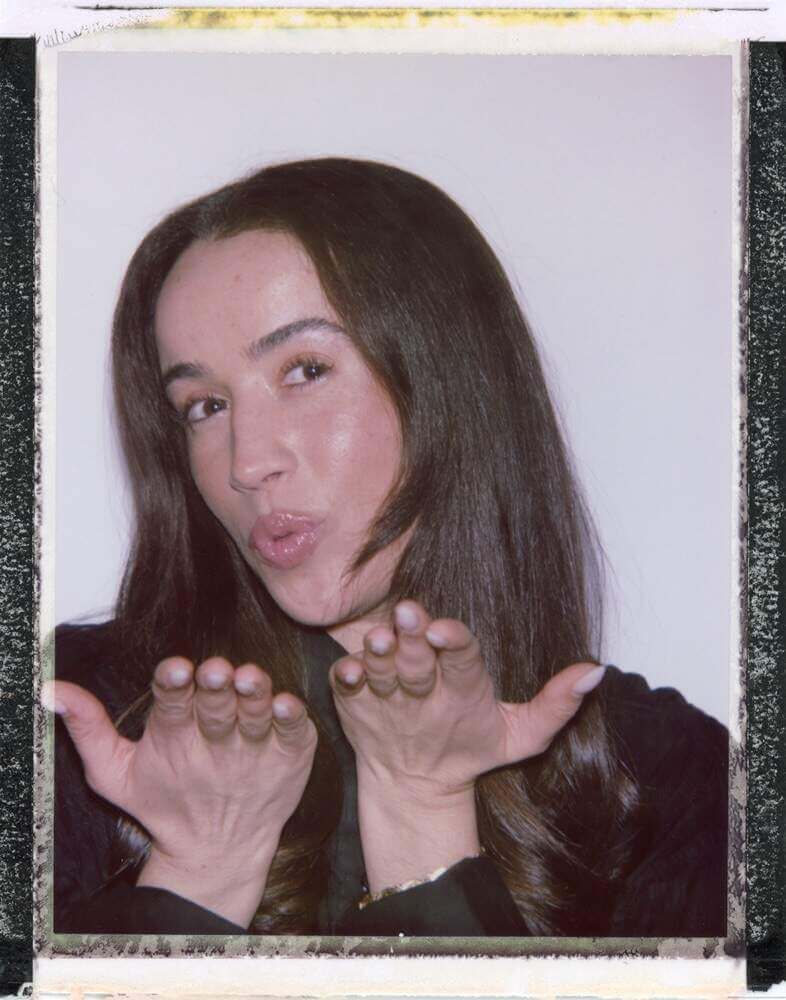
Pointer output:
260, 452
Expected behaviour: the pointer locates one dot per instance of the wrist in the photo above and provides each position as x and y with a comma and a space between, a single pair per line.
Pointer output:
410, 830
373, 897
231, 887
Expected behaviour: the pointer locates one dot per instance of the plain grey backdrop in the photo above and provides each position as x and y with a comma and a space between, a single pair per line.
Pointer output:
603, 183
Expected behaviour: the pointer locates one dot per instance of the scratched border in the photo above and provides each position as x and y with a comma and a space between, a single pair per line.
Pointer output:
766, 687
17, 604
67, 944
395, 17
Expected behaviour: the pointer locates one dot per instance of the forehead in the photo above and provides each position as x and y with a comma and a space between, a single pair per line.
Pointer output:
242, 285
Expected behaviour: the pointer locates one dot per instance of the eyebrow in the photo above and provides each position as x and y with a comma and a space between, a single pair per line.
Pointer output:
256, 349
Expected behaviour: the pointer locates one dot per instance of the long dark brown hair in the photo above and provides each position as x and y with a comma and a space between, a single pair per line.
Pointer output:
501, 537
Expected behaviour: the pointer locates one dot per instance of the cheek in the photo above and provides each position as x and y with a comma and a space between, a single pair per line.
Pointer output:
365, 449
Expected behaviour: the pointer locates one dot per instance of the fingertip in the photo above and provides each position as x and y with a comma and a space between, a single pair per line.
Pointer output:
288, 709
49, 699
215, 674
174, 672
250, 681
281, 711
380, 641
436, 638
589, 680
450, 634
457, 647
407, 616
347, 676
350, 673
248, 687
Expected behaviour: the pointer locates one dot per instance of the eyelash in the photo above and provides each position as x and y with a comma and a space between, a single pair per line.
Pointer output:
306, 362
188, 406
293, 365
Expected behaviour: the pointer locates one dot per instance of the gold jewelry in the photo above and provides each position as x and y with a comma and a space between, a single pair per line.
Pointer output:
373, 897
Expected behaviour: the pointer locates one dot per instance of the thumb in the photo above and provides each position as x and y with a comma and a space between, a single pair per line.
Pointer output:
537, 722
97, 741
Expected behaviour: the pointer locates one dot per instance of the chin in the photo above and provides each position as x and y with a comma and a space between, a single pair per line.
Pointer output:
320, 594
308, 606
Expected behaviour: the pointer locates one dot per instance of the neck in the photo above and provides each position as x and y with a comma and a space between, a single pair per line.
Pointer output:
350, 634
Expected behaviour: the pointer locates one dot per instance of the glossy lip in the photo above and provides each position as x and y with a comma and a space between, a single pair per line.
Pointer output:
284, 539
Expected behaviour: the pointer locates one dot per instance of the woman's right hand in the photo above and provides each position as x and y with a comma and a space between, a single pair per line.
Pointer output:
220, 768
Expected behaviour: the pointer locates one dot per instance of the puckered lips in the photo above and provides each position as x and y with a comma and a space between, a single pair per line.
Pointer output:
284, 539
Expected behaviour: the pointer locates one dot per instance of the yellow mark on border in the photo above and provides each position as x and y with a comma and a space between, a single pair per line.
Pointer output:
399, 17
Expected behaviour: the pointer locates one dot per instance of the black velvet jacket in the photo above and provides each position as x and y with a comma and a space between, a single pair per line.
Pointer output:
678, 754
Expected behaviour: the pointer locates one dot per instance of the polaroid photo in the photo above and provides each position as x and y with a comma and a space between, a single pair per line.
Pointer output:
392, 483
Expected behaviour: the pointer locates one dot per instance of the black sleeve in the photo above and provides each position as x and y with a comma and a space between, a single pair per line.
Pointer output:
679, 756
468, 900
84, 826
126, 909
84, 823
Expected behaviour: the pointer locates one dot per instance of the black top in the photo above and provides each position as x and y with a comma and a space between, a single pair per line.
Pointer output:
678, 755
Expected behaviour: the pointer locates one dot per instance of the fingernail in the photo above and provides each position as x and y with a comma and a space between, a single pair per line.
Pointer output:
589, 681
281, 710
351, 675
406, 618
245, 686
436, 640
178, 676
379, 645
215, 681
48, 700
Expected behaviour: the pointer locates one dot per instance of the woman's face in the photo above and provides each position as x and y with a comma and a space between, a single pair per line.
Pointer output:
293, 444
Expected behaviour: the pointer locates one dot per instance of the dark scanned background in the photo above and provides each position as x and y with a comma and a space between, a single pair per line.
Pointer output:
766, 562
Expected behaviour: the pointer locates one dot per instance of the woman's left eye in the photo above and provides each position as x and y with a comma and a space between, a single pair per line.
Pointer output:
304, 370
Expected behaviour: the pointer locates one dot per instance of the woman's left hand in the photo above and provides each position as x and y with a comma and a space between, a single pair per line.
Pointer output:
418, 707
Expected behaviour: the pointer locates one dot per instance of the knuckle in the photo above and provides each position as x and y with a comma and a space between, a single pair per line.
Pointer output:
419, 690
381, 673
416, 673
381, 682
253, 730
214, 723
254, 710
416, 659
465, 654
379, 666
384, 688
167, 708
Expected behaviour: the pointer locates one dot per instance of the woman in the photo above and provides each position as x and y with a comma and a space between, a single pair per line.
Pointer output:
370, 586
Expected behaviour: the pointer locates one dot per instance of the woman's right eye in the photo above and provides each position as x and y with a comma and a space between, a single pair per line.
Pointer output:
198, 410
